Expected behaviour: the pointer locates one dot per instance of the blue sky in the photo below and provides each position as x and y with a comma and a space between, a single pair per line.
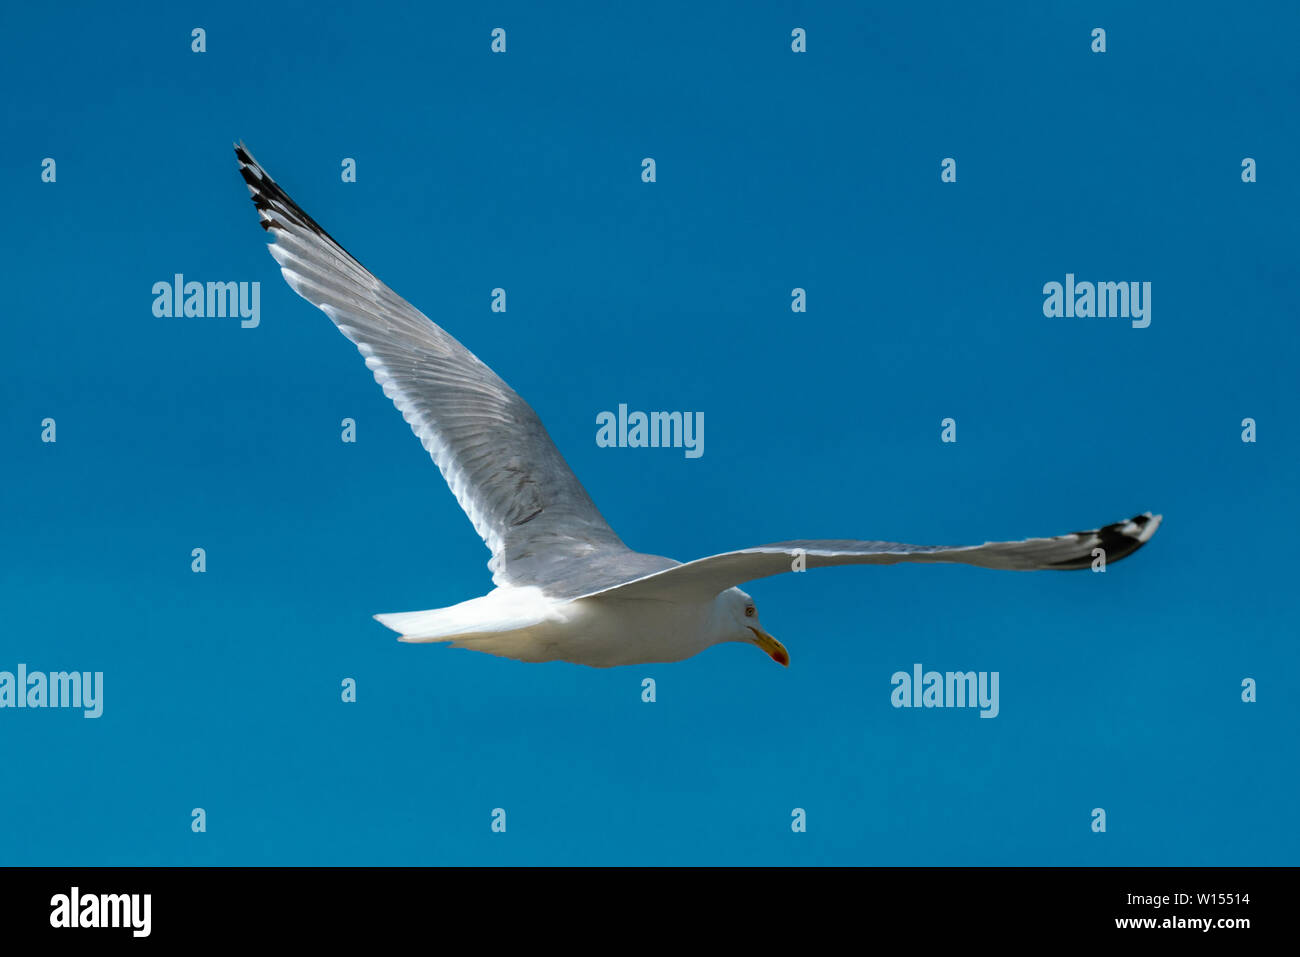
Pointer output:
775, 170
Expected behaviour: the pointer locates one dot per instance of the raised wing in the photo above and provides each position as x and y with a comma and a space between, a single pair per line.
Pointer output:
506, 473
706, 577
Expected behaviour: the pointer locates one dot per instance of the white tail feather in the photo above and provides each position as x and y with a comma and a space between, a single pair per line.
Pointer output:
500, 610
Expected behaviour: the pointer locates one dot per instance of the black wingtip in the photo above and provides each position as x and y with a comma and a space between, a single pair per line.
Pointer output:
241, 153
278, 207
1117, 541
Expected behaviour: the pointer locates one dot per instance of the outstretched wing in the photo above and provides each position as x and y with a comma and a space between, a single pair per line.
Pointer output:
506, 473
706, 577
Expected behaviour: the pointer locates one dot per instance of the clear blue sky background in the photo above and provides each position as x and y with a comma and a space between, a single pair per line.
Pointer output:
775, 170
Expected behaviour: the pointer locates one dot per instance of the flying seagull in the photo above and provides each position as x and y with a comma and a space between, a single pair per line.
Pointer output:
567, 588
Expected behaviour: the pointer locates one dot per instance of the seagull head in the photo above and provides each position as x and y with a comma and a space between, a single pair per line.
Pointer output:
740, 617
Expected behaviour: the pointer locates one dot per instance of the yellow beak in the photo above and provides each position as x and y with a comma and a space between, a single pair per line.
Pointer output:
771, 646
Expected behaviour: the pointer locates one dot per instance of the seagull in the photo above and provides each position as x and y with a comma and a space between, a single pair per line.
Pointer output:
566, 587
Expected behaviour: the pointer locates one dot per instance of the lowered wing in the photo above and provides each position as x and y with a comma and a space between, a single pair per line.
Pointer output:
706, 577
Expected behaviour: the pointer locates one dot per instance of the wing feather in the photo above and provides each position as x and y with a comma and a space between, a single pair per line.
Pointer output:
492, 449
706, 577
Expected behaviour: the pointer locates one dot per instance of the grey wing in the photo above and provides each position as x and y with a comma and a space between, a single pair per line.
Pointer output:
494, 453
706, 577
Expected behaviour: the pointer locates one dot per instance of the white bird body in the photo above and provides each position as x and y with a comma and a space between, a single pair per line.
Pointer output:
524, 624
568, 589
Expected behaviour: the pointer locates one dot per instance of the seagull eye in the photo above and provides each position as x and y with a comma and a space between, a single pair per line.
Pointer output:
749, 612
